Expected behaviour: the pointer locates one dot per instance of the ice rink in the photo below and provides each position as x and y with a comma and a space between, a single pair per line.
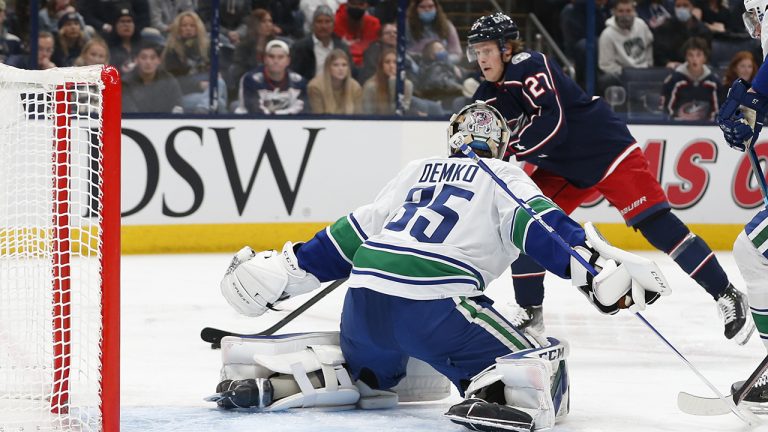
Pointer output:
622, 377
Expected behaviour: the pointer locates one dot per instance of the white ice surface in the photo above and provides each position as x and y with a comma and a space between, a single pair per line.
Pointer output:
622, 377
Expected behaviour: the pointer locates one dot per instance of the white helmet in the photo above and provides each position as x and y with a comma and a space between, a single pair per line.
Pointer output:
483, 127
753, 17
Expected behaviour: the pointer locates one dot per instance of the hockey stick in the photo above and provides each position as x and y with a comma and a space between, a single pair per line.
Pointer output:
214, 335
704, 406
747, 417
755, 162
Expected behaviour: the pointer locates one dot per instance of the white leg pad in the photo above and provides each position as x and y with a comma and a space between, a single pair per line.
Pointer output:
527, 377
422, 383
297, 355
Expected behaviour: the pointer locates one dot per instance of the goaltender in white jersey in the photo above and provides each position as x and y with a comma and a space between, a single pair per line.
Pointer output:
418, 259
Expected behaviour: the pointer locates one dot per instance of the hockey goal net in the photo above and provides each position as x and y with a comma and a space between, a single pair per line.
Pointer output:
59, 249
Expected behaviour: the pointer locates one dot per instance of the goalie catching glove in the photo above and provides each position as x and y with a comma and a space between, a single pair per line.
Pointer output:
255, 282
624, 280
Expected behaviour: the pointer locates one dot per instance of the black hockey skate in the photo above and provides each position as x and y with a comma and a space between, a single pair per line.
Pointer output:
479, 415
248, 393
736, 316
757, 397
529, 318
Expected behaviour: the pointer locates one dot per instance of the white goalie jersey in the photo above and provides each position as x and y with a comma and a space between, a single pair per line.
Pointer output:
443, 228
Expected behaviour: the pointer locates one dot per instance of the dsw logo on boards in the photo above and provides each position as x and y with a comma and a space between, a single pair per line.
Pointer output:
193, 178
693, 175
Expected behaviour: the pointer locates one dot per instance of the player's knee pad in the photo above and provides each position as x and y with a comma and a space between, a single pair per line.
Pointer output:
305, 370
535, 381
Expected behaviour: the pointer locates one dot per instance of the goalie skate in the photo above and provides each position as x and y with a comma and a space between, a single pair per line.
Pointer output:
479, 415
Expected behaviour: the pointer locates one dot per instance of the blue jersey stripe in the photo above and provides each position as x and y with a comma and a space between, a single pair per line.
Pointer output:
415, 281
359, 229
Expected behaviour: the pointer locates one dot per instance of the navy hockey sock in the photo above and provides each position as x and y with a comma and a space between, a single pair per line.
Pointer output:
528, 279
668, 233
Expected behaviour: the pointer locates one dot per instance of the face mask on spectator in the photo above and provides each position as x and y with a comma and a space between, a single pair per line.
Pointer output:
441, 56
355, 13
427, 17
625, 21
683, 14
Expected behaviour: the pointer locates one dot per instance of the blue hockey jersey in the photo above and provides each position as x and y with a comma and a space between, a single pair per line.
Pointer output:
555, 125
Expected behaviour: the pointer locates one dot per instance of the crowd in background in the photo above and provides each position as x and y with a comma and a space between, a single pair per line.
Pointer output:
339, 56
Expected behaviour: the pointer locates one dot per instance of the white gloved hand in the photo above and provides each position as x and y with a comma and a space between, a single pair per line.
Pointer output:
255, 282
624, 280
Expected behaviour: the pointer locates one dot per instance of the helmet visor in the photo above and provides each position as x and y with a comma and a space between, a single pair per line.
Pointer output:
752, 23
482, 50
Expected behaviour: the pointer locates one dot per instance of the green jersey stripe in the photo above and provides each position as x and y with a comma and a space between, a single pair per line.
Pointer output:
344, 235
478, 314
759, 239
522, 220
761, 322
408, 265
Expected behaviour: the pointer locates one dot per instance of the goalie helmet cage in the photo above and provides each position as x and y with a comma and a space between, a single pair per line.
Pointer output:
59, 249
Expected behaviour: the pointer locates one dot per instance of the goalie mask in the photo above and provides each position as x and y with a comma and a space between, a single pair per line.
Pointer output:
753, 17
483, 126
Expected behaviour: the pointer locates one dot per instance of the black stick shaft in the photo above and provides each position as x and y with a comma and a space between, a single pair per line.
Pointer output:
739, 395
214, 336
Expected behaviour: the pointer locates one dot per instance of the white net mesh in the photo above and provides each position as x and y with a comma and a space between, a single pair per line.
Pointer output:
50, 243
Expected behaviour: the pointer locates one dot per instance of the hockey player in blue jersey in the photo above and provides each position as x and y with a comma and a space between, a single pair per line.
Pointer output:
581, 147
418, 259
746, 104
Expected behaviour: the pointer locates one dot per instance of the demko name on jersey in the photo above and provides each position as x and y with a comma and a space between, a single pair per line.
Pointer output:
448, 172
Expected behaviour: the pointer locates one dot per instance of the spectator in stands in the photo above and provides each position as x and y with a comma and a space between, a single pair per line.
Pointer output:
70, 40
186, 58
273, 88
626, 42
284, 14
691, 91
387, 39
307, 9
48, 17
426, 23
250, 53
379, 90
148, 88
45, 44
10, 44
163, 12
334, 91
716, 16
102, 14
386, 11
742, 65
309, 53
233, 17
356, 27
670, 36
95, 52
123, 41
655, 12
439, 79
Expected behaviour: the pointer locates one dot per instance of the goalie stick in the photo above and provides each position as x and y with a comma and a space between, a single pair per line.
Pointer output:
747, 417
214, 335
705, 406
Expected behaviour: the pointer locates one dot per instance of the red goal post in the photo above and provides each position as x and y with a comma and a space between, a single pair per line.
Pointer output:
60, 249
